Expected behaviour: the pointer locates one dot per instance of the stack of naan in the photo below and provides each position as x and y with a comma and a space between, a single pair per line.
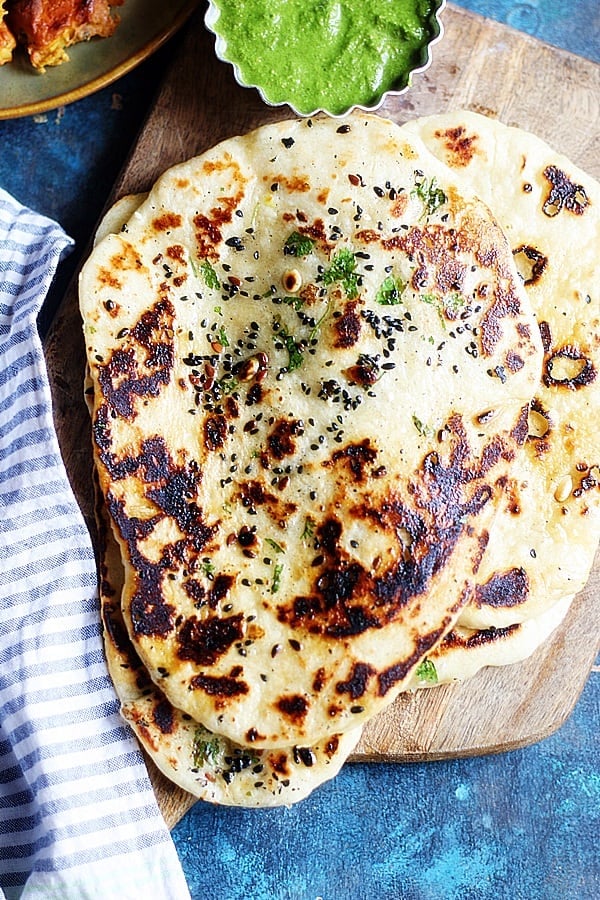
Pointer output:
342, 380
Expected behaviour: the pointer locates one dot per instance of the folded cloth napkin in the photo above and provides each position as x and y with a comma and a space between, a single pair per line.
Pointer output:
78, 817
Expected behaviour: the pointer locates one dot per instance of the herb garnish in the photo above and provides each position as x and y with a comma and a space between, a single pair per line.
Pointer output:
430, 195
298, 244
222, 337
309, 529
204, 749
390, 291
342, 270
210, 276
208, 568
426, 672
276, 547
294, 349
424, 430
276, 583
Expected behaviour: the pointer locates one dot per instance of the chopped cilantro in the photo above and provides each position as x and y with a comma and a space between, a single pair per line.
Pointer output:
342, 270
309, 529
222, 336
426, 672
211, 279
208, 568
298, 244
429, 194
454, 301
295, 302
204, 749
276, 547
276, 583
424, 430
390, 291
227, 384
294, 349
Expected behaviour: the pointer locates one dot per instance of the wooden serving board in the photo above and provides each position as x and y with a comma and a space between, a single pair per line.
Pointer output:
480, 65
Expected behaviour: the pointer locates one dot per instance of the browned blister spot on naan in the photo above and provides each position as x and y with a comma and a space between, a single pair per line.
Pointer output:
531, 263
460, 146
503, 589
163, 716
568, 367
348, 598
205, 641
166, 221
347, 326
143, 364
564, 194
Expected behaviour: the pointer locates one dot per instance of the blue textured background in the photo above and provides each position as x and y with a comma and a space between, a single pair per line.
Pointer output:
517, 826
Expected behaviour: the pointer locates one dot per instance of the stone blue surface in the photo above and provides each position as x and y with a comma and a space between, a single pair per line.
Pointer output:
516, 826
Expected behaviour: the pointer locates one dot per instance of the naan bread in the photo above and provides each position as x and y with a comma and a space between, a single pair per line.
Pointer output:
465, 651
294, 345
542, 547
206, 765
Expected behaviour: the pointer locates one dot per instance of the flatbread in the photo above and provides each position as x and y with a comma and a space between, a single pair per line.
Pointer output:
297, 475
543, 545
465, 651
207, 765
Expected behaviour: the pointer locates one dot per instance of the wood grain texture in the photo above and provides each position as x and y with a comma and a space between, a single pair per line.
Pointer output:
480, 65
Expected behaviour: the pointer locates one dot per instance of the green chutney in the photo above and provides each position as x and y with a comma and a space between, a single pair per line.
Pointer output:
326, 54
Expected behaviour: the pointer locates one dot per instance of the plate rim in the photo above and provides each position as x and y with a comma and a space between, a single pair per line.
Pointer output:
97, 83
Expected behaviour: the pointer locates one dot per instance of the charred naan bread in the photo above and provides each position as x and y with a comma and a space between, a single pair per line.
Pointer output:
294, 344
465, 651
206, 765
543, 544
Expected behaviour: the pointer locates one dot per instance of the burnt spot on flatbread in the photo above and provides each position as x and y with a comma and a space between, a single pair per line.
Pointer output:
252, 494
204, 641
293, 707
163, 716
167, 221
347, 326
513, 361
400, 670
356, 684
347, 598
116, 632
563, 194
436, 253
503, 589
546, 336
506, 302
215, 432
531, 263
220, 589
143, 365
520, 431
280, 441
219, 686
568, 367
480, 638
539, 425
209, 228
357, 457
196, 591
460, 146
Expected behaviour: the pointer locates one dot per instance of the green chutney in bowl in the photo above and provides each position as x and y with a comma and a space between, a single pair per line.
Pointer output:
325, 55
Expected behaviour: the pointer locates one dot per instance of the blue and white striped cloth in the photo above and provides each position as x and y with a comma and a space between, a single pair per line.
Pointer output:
78, 818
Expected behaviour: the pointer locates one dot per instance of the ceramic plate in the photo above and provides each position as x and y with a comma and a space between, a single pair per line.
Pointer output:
145, 25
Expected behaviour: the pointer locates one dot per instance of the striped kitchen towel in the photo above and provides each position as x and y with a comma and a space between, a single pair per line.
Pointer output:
78, 818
